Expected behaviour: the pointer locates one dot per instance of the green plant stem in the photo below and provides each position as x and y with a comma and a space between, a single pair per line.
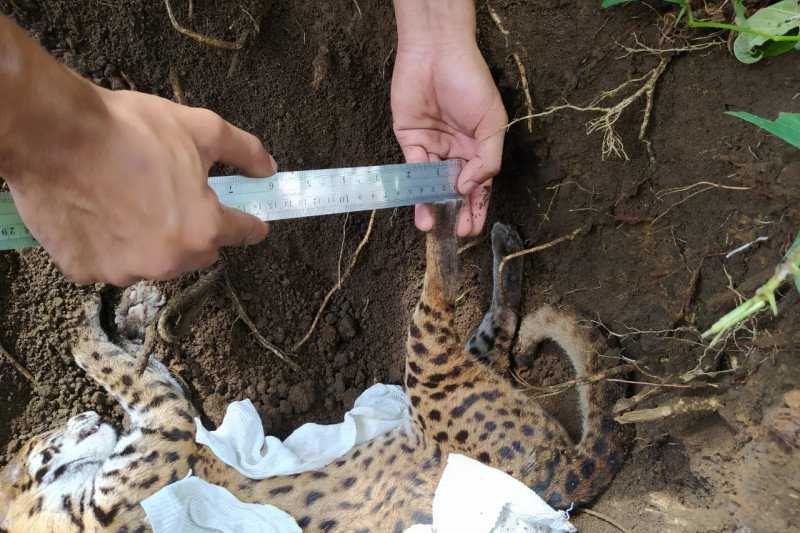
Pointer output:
694, 23
765, 295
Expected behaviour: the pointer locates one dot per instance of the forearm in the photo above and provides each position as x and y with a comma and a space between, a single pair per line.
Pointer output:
438, 23
45, 107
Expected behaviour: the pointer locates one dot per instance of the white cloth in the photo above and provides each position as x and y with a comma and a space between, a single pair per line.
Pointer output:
239, 441
193, 505
470, 496
474, 497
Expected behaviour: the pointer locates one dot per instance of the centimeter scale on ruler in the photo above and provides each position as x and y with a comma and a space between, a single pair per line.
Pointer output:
303, 193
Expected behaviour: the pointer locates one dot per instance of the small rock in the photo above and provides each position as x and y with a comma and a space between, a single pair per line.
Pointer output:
117, 84
346, 327
340, 361
338, 384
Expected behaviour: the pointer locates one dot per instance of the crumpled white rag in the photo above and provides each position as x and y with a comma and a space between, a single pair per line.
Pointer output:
240, 442
471, 497
194, 505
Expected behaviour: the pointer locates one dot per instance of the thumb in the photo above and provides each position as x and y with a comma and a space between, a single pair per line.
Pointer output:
240, 229
221, 141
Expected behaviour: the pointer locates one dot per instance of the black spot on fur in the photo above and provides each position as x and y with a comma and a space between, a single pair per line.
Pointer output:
468, 402
414, 367
191, 460
127, 380
59, 472
415, 401
484, 458
106, 370
462, 436
555, 499
413, 330
440, 437
587, 468
171, 457
283, 489
183, 414
303, 522
421, 518
599, 447
149, 482
39, 475
437, 396
506, 453
175, 434
419, 348
440, 359
491, 396
490, 426
527, 430
572, 482
105, 518
127, 450
327, 525
312, 497
411, 381
508, 424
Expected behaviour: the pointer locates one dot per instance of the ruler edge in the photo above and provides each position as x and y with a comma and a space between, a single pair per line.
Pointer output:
454, 166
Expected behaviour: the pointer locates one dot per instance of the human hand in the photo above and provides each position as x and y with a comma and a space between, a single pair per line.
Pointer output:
127, 197
446, 105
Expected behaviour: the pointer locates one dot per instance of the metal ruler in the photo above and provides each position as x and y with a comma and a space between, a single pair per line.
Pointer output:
303, 193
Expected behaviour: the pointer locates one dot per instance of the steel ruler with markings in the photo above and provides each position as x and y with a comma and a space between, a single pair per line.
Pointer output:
303, 193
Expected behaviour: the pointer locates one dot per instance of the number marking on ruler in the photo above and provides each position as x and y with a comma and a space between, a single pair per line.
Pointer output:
304, 193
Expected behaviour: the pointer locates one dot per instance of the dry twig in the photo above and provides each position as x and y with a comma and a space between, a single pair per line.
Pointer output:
199, 37
243, 316
559, 388
535, 249
24, 372
708, 186
604, 518
338, 284
497, 22
525, 89
609, 115
677, 406
175, 82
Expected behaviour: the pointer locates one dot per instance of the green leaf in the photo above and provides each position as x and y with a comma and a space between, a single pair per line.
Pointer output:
741, 16
786, 126
612, 3
776, 48
778, 19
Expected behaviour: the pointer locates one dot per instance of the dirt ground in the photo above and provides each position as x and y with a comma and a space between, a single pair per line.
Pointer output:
313, 82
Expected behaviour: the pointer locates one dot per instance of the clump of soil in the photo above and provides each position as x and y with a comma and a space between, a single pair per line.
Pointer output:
313, 82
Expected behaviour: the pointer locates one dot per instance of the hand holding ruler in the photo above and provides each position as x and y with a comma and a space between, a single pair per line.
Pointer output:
303, 193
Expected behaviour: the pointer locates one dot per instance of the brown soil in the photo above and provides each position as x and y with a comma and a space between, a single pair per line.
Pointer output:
314, 84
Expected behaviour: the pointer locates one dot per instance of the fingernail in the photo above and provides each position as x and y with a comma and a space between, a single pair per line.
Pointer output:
468, 187
273, 162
